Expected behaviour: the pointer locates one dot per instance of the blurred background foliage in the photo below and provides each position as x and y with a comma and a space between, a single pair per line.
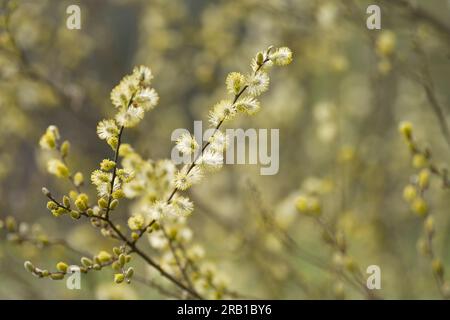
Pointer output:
337, 107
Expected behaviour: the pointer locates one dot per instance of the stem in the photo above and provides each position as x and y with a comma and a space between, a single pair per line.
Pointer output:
135, 249
114, 175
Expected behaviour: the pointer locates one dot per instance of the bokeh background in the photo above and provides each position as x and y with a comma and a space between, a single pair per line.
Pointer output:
337, 106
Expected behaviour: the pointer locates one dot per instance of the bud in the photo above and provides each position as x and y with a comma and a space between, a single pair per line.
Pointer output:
59, 212
116, 266
86, 262
107, 165
104, 256
438, 267
339, 291
75, 215
66, 201
260, 58
24, 228
119, 277
57, 276
103, 203
65, 148
37, 273
97, 266
302, 204
129, 273
113, 142
419, 161
46, 192
314, 205
122, 259
429, 225
405, 128
51, 205
409, 193
308, 205
29, 266
424, 179
423, 247
11, 224
78, 179
118, 194
385, 43
116, 251
73, 194
135, 235
419, 206
62, 267
82, 202
114, 204
106, 232
338, 260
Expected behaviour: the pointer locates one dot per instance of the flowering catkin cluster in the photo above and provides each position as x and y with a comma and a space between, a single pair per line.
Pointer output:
157, 208
157, 184
414, 194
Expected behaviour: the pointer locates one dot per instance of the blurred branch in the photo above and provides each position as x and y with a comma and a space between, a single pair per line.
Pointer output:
428, 87
153, 284
422, 15
19, 234
438, 276
68, 101
426, 81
